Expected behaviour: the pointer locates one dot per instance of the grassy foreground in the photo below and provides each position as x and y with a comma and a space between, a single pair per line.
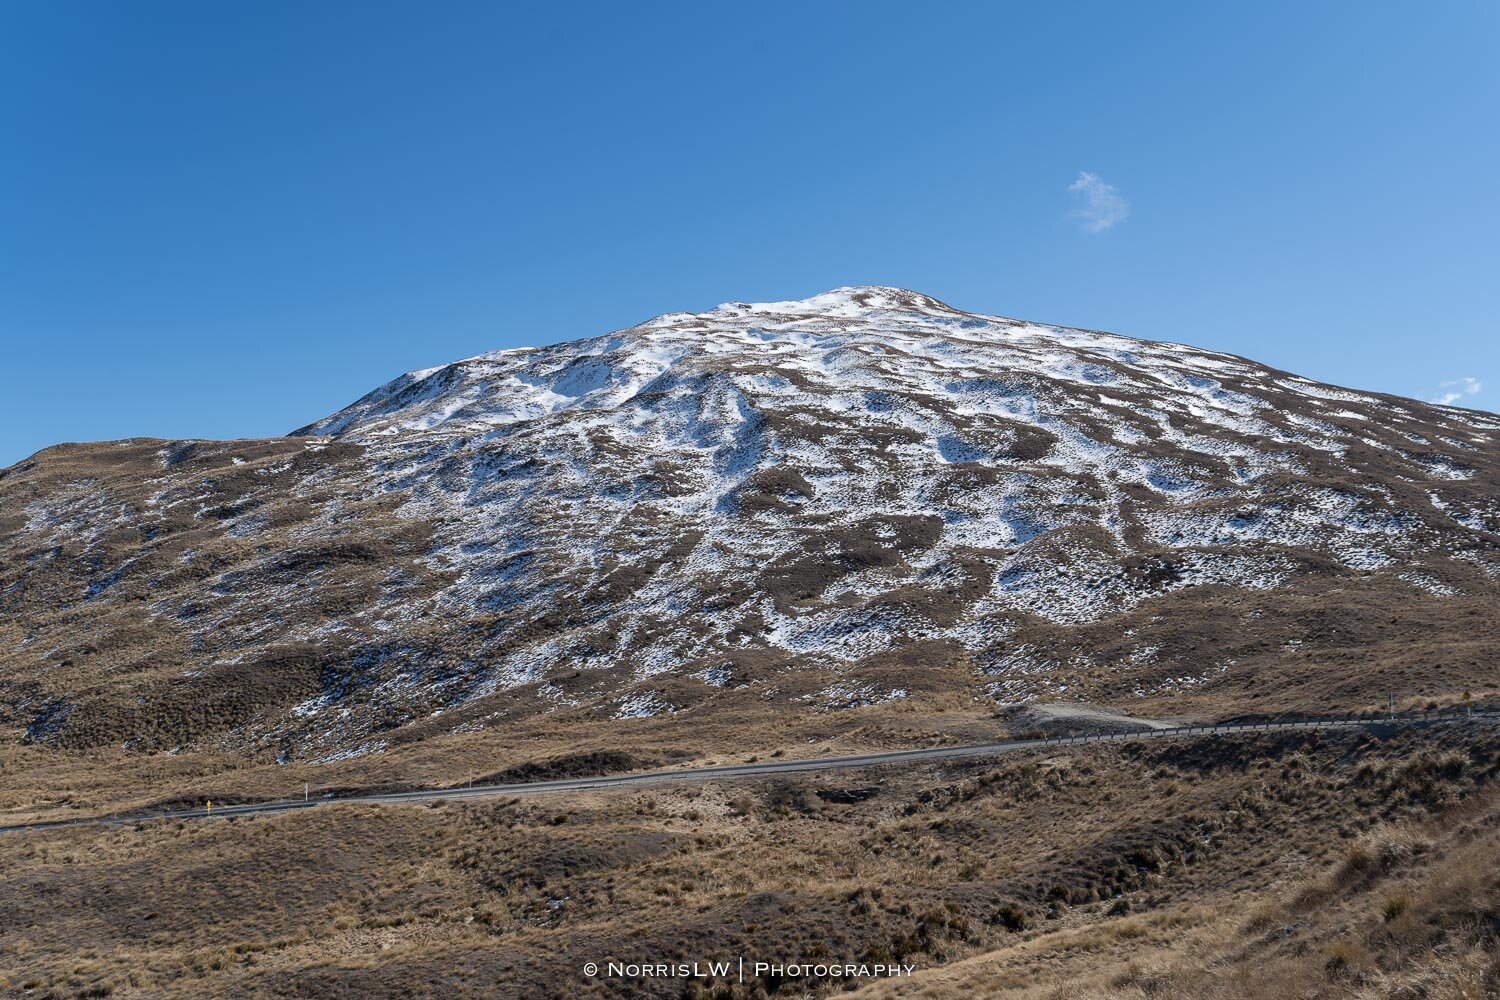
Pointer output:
1336, 864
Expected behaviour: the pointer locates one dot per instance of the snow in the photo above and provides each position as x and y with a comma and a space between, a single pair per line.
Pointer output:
935, 474
847, 694
643, 705
905, 386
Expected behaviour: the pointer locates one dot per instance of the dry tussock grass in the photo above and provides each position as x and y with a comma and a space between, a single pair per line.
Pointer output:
1409, 909
1042, 875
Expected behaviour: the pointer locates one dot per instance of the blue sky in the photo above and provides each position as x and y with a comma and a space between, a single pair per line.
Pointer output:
223, 220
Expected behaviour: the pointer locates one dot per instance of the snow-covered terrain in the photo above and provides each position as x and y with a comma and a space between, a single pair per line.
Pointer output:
815, 483
778, 435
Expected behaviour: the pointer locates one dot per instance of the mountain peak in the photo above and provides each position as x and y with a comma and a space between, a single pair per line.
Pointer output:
842, 501
848, 300
845, 350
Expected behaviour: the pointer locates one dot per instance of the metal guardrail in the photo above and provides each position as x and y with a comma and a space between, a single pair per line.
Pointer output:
1321, 722
1268, 725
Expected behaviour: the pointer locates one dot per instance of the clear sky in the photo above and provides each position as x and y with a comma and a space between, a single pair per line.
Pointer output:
229, 219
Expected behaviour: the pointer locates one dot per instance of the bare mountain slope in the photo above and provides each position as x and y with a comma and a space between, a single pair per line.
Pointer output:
863, 498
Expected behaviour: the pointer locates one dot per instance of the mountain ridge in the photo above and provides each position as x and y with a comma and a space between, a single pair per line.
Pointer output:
842, 303
845, 303
863, 500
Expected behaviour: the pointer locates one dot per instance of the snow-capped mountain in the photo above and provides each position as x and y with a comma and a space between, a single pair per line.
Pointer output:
860, 498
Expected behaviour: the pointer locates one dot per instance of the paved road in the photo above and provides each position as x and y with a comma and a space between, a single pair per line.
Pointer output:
772, 767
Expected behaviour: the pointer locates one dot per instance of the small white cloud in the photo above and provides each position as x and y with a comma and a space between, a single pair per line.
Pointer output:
1456, 389
1100, 206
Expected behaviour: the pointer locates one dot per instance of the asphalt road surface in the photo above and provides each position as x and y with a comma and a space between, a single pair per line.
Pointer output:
757, 770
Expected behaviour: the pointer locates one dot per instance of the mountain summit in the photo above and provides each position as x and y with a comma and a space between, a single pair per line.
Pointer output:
506, 386
863, 498
503, 387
